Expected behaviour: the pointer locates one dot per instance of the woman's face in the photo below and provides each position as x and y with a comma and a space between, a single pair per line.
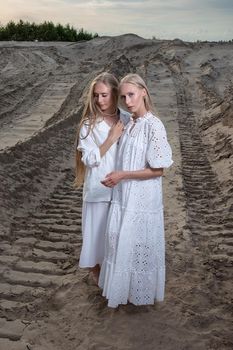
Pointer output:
103, 97
133, 97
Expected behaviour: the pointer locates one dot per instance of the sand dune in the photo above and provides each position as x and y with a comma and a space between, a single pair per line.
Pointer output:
46, 302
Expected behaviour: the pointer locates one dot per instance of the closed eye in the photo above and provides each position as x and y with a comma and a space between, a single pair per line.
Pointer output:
103, 95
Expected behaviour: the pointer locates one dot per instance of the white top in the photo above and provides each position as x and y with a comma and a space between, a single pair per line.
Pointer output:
142, 145
96, 167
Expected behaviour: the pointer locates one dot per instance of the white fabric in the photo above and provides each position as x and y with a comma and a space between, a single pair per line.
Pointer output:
134, 265
96, 197
94, 218
96, 167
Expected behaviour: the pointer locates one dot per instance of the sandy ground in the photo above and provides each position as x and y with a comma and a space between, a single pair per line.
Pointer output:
47, 303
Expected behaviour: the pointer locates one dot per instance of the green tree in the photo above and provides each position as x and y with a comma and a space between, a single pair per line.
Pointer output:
45, 31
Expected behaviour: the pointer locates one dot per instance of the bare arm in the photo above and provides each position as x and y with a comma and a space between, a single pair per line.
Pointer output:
115, 177
114, 134
91, 153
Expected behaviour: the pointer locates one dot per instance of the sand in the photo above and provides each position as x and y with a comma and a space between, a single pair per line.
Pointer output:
47, 303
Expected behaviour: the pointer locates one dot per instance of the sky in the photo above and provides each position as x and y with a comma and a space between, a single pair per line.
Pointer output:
188, 20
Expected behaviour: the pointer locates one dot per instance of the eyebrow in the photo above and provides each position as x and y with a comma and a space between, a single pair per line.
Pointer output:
130, 92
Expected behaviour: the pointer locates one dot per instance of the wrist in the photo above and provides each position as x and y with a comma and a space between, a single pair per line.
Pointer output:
123, 175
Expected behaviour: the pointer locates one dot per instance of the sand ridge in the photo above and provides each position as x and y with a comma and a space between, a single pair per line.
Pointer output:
46, 301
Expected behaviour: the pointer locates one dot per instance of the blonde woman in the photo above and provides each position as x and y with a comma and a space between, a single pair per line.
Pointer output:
100, 128
134, 265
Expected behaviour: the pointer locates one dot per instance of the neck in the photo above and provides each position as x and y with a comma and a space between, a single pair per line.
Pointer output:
109, 113
139, 114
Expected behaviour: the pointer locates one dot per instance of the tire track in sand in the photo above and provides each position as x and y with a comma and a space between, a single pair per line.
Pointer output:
36, 260
208, 219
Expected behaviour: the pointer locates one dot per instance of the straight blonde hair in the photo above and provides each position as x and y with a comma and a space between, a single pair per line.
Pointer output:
91, 113
136, 80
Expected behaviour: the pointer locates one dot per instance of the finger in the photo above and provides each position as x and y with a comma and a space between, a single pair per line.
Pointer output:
108, 175
104, 182
119, 123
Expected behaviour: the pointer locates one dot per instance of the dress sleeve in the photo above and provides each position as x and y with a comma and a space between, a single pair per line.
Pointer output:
90, 151
159, 153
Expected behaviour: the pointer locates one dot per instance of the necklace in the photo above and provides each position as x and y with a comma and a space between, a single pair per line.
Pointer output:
110, 114
111, 120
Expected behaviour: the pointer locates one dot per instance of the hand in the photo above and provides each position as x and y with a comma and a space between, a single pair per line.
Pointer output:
113, 178
116, 131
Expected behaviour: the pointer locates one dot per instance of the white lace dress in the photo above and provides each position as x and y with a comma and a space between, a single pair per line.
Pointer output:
134, 265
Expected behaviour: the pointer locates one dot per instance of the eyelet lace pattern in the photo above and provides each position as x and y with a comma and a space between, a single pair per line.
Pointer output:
134, 266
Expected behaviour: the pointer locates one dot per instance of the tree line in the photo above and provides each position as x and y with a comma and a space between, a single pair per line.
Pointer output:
46, 31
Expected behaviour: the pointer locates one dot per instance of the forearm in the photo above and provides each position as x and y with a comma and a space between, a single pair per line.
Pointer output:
115, 177
143, 174
106, 145
113, 136
92, 157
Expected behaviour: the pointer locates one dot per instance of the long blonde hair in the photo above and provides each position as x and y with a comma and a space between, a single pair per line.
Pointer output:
136, 80
90, 114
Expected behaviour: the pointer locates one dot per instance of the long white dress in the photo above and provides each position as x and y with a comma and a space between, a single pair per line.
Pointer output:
96, 197
134, 265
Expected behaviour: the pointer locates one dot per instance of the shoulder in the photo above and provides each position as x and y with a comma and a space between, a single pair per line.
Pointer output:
124, 116
155, 127
88, 127
84, 127
153, 121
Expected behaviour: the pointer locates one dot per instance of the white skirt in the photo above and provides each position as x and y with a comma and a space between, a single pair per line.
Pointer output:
94, 220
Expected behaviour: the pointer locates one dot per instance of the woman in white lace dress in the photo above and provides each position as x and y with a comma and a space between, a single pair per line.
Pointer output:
134, 265
101, 125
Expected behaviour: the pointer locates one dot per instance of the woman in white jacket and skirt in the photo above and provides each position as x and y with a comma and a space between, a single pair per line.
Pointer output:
101, 126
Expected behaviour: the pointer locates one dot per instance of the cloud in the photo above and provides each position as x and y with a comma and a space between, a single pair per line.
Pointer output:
188, 20
219, 4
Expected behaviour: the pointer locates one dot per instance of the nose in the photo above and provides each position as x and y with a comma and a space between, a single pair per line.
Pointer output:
127, 100
99, 99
